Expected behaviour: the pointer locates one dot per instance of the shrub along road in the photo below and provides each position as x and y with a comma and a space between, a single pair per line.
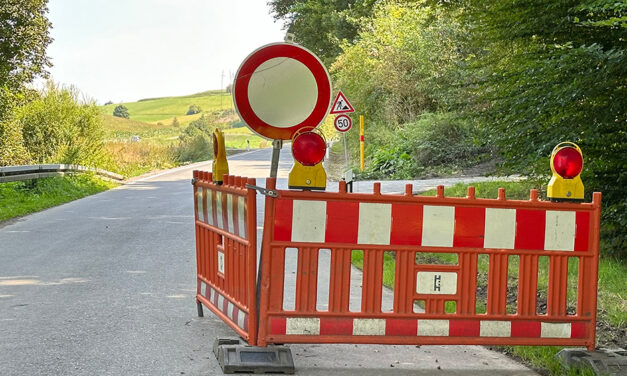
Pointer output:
105, 285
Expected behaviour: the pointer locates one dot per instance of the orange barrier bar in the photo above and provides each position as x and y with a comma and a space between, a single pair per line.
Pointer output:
226, 250
407, 226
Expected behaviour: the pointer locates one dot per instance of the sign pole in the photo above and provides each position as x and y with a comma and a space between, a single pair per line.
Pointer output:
345, 150
276, 152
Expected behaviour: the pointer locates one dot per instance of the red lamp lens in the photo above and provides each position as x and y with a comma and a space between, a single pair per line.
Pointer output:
309, 148
568, 162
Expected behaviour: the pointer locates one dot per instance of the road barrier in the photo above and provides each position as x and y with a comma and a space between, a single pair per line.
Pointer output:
31, 172
418, 233
226, 251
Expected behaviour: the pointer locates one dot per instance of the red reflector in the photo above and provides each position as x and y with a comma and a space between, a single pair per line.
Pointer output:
309, 148
568, 162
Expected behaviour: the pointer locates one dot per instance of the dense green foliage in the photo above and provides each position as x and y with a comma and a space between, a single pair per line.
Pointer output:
451, 83
121, 111
24, 36
196, 141
321, 24
21, 198
57, 127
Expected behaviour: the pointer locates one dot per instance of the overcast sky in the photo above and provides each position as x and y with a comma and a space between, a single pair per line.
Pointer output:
125, 50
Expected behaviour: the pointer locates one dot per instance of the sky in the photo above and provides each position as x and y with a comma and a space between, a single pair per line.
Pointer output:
126, 50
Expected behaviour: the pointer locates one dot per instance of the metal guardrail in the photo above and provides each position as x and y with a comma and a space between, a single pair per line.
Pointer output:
30, 172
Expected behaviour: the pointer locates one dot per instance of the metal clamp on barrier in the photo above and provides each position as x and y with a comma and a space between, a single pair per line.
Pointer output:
264, 191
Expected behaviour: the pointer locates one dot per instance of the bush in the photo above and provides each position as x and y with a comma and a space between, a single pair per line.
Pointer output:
59, 128
121, 111
12, 151
434, 144
193, 109
196, 141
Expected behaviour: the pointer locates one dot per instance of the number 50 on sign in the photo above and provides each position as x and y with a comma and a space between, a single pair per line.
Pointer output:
343, 123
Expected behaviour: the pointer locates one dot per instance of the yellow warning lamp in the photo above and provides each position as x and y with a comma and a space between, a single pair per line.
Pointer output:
566, 164
220, 166
308, 149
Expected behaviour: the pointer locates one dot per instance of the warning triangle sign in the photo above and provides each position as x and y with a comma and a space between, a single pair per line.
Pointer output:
341, 105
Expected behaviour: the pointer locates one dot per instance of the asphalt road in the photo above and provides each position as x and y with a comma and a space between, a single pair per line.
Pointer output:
105, 285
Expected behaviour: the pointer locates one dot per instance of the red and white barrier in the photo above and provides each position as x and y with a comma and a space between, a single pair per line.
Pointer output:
425, 328
222, 210
430, 225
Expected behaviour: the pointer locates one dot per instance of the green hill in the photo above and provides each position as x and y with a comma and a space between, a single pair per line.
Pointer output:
154, 110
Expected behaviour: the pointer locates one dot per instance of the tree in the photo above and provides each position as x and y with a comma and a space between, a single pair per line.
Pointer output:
321, 25
121, 111
193, 109
24, 36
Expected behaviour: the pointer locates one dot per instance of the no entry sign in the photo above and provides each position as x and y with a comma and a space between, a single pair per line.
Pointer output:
343, 123
281, 88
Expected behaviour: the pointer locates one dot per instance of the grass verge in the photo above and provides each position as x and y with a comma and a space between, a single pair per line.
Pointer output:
612, 305
25, 197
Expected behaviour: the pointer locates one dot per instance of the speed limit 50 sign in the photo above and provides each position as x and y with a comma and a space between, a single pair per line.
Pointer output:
343, 123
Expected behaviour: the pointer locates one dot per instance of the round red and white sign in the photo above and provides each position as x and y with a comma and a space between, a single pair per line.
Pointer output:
343, 123
281, 88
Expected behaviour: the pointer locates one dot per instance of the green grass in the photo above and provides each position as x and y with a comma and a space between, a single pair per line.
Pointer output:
21, 198
612, 299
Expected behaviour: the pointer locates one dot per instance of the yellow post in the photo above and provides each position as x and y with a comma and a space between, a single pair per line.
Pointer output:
361, 141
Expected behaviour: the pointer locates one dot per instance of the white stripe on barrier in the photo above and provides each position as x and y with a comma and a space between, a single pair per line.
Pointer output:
210, 206
220, 302
302, 326
199, 205
495, 328
229, 310
438, 226
240, 319
375, 223
229, 213
241, 216
436, 283
555, 330
437, 328
559, 234
368, 327
309, 221
500, 228
220, 220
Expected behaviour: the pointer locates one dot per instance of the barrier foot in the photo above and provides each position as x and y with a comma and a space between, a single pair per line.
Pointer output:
237, 357
602, 362
201, 313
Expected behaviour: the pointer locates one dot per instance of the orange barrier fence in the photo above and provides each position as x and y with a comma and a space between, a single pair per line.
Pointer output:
226, 250
417, 232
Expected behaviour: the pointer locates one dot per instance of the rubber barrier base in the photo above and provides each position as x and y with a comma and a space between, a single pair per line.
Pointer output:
611, 362
236, 357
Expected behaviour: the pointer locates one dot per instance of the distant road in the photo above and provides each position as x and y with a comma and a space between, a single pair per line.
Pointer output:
105, 285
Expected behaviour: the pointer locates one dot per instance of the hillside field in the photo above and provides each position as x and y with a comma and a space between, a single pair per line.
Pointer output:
153, 110
152, 120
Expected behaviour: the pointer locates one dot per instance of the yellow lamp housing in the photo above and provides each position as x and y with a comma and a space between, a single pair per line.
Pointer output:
220, 166
566, 165
308, 149
307, 177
